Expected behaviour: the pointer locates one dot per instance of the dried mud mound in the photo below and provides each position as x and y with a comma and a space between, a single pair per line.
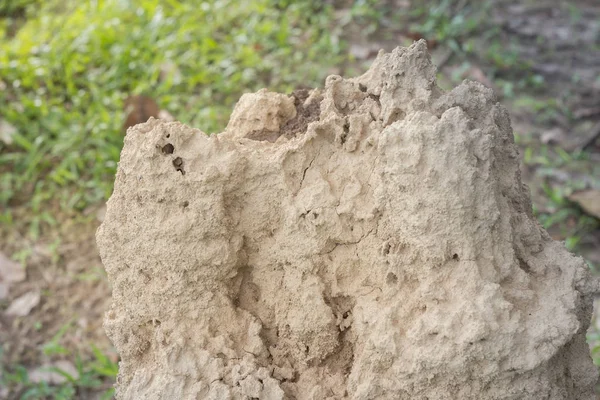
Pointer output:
372, 240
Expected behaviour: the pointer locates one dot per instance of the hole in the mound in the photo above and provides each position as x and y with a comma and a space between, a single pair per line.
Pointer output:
305, 114
264, 135
376, 98
178, 164
391, 278
362, 87
168, 148
185, 204
346, 131
524, 266
455, 257
168, 135
386, 249
396, 115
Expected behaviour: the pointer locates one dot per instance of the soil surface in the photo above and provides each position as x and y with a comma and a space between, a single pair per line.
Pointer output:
68, 279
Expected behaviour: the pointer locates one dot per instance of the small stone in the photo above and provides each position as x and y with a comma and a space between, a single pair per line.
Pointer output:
23, 305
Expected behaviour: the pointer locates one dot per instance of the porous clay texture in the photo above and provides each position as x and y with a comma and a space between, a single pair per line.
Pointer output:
372, 240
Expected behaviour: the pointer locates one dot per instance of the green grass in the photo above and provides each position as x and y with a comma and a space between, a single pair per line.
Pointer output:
557, 213
14, 7
95, 372
68, 70
93, 375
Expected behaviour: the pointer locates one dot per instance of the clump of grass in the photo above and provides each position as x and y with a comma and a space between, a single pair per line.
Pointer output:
95, 375
14, 8
556, 212
68, 70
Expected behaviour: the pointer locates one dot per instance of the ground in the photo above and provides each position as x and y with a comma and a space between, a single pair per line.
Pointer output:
541, 57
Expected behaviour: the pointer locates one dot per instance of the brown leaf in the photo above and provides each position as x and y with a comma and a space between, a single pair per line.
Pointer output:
416, 36
588, 200
139, 109
23, 305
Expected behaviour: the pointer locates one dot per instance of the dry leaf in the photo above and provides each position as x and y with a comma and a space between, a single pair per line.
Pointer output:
170, 69
360, 51
23, 305
165, 115
588, 200
101, 213
45, 373
3, 295
586, 112
10, 272
475, 73
139, 109
416, 36
553, 136
6, 132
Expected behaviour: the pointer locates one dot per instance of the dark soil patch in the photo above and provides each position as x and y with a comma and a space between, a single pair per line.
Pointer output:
305, 113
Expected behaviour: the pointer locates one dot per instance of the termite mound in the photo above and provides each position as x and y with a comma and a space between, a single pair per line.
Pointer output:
370, 240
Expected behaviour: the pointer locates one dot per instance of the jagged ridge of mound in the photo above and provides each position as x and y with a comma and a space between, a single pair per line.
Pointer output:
370, 241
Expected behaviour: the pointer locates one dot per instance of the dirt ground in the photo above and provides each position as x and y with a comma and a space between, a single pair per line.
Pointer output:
72, 295
559, 42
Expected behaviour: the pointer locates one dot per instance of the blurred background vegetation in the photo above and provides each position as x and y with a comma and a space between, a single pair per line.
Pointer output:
68, 67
